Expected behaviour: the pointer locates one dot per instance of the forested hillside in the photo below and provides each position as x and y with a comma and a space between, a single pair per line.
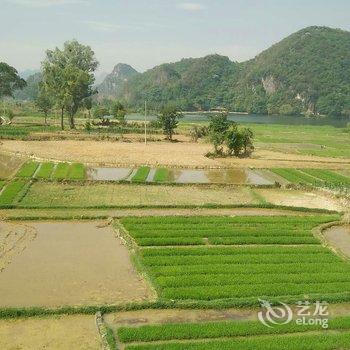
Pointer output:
308, 72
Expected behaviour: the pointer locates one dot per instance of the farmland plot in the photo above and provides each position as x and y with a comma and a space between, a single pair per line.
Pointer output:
248, 257
246, 335
71, 264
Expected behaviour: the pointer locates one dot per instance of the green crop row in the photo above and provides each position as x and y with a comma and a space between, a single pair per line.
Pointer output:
322, 341
244, 278
221, 232
45, 170
228, 329
262, 239
241, 290
11, 191
317, 177
28, 169
234, 251
49, 170
76, 172
161, 175
328, 176
201, 220
257, 268
141, 174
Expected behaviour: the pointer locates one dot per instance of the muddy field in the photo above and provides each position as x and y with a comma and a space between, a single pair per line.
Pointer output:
71, 263
76, 332
182, 154
339, 238
300, 198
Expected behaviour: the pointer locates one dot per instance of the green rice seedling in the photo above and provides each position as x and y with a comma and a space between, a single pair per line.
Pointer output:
239, 232
235, 279
237, 259
328, 176
253, 290
2, 184
263, 240
161, 175
227, 329
45, 170
320, 341
257, 268
235, 251
76, 172
61, 171
169, 241
295, 176
141, 174
28, 169
11, 191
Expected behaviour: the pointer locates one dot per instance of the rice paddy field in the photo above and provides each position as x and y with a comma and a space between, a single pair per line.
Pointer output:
52, 171
315, 177
239, 259
236, 335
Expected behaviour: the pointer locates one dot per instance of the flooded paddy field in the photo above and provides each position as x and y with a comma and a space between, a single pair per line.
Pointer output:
339, 238
71, 263
76, 332
189, 176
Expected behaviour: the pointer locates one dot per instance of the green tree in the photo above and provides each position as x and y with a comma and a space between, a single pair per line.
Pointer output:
118, 111
9, 80
68, 75
88, 105
218, 127
169, 119
239, 141
44, 102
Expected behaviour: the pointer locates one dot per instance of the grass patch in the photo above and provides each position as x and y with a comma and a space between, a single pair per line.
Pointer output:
76, 172
161, 175
45, 170
61, 171
28, 169
141, 174
11, 192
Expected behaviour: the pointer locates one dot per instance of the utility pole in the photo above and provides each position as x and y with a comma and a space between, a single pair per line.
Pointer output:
145, 122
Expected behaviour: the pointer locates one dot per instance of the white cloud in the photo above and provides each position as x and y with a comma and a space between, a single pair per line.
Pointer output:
46, 3
102, 26
191, 6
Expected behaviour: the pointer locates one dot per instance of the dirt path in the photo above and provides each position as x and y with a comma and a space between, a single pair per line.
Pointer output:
339, 238
71, 263
182, 154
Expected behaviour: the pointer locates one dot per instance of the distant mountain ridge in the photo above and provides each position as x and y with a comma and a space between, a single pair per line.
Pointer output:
307, 72
114, 83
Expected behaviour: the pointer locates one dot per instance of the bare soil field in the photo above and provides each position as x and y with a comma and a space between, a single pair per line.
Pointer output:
71, 263
300, 198
339, 238
76, 332
181, 154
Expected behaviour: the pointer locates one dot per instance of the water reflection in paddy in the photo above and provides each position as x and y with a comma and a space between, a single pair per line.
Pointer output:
108, 174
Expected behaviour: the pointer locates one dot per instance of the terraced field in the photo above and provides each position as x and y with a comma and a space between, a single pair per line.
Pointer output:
247, 335
239, 259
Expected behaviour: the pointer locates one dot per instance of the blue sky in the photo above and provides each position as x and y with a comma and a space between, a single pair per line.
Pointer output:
145, 33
